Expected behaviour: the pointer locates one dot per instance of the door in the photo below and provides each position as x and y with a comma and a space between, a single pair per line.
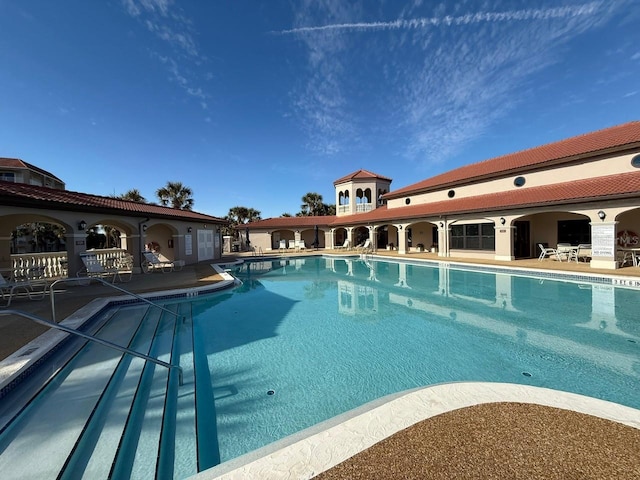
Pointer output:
205, 245
521, 239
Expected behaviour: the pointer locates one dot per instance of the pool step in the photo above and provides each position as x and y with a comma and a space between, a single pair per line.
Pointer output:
57, 418
94, 453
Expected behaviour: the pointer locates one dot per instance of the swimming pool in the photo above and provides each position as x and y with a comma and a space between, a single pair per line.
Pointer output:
306, 339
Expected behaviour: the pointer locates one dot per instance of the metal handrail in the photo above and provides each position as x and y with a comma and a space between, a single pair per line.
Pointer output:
86, 336
104, 282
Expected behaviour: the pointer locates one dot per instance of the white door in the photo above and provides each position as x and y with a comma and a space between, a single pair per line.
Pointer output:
205, 245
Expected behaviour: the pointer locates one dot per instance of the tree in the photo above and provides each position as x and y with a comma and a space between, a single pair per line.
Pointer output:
286, 214
133, 195
240, 216
175, 195
311, 205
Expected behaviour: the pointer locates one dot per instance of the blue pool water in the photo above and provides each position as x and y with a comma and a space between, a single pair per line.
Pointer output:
303, 340
328, 335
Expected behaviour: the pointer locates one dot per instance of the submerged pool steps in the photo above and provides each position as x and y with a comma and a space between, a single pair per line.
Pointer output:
109, 415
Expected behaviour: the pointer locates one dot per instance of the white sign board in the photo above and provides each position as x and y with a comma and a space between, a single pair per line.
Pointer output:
603, 241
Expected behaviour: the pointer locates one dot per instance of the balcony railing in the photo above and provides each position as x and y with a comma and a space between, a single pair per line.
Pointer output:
364, 207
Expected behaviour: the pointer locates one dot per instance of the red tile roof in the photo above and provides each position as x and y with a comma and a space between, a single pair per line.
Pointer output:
20, 194
17, 163
290, 222
602, 141
359, 175
589, 190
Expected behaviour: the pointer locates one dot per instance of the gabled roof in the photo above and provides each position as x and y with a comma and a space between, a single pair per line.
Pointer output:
361, 175
24, 195
588, 190
17, 163
289, 222
602, 141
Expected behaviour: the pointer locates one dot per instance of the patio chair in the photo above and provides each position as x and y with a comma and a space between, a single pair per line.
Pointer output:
546, 252
9, 288
583, 253
93, 268
283, 246
344, 246
152, 262
177, 264
292, 245
365, 247
301, 245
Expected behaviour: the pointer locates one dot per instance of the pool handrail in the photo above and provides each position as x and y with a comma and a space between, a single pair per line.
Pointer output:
105, 343
104, 282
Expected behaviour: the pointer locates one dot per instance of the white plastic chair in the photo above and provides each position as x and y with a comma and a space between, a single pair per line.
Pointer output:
153, 262
283, 246
546, 252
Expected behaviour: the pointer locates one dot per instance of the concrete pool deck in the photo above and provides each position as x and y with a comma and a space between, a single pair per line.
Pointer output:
445, 433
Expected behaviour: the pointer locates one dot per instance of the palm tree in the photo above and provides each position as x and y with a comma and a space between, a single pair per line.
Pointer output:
240, 216
311, 205
133, 195
175, 195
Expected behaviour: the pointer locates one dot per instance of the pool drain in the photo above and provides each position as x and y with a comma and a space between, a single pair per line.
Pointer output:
526, 374
271, 392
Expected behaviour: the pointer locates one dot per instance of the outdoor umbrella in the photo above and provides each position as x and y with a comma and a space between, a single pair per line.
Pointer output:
315, 238
247, 236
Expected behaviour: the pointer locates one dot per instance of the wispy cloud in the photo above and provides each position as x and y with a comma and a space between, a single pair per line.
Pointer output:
448, 20
167, 22
447, 76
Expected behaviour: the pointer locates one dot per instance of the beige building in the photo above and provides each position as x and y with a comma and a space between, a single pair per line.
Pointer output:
179, 235
583, 190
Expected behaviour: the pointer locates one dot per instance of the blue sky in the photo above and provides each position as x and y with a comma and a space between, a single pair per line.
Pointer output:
257, 103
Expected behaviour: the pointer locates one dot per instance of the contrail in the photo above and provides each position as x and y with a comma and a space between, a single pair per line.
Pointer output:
471, 18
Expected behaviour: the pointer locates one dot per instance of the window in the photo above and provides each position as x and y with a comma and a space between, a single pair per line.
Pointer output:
407, 201
8, 176
476, 236
451, 193
519, 181
635, 161
574, 232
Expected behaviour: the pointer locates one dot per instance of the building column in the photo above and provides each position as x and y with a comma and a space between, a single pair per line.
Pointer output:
76, 244
5, 252
504, 239
443, 239
402, 238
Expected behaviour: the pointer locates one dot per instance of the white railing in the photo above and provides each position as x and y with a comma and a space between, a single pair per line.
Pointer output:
48, 264
54, 264
344, 208
364, 207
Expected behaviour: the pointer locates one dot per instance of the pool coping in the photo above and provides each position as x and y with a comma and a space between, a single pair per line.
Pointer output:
316, 449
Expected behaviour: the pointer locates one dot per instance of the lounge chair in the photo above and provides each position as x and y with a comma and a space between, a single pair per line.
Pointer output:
9, 288
283, 246
118, 269
344, 246
177, 264
152, 262
301, 245
365, 247
546, 252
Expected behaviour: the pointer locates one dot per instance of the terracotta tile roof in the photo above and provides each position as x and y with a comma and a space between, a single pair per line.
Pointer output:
359, 175
613, 138
17, 163
20, 194
589, 190
290, 222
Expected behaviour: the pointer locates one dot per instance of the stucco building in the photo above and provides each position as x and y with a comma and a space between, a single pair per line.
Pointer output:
581, 190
